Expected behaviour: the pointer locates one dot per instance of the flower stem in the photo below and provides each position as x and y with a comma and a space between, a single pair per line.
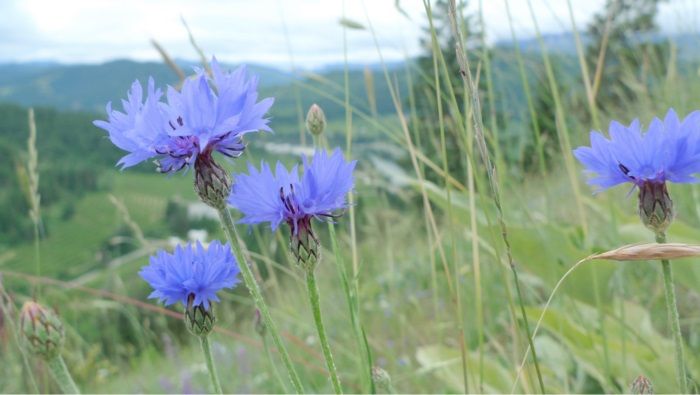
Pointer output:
316, 307
271, 361
206, 347
254, 289
62, 375
673, 318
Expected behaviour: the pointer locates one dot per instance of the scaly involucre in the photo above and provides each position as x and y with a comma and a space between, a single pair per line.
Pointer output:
266, 197
207, 115
668, 151
191, 270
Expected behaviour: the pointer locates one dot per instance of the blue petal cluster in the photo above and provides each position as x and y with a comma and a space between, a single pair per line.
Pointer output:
266, 197
206, 115
191, 270
668, 151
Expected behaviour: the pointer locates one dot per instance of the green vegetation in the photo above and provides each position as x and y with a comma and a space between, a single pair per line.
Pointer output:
435, 295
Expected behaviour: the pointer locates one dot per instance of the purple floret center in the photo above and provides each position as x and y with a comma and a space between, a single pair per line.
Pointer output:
294, 215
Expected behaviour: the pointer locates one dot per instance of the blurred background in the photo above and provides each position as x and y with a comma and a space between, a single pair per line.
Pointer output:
422, 245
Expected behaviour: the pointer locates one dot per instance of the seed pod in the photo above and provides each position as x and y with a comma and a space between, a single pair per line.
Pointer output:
42, 331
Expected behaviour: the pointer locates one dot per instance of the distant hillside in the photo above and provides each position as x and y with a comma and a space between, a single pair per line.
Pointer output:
565, 44
89, 87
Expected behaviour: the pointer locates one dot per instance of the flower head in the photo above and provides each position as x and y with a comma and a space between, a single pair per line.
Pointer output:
667, 151
320, 192
206, 115
192, 274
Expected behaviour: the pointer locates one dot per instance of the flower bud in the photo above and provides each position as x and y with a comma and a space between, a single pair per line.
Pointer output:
199, 320
211, 182
381, 379
315, 120
42, 331
655, 206
641, 386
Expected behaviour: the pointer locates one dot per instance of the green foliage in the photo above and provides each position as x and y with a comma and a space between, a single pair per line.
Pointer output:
632, 55
591, 339
424, 88
72, 156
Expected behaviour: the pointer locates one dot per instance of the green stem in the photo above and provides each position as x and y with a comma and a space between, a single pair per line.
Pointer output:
254, 289
62, 375
365, 359
271, 361
673, 319
206, 347
316, 307
527, 329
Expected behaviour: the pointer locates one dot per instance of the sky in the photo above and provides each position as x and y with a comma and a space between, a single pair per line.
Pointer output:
304, 34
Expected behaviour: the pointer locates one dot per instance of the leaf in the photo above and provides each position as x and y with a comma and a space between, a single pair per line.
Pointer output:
350, 24
634, 346
446, 363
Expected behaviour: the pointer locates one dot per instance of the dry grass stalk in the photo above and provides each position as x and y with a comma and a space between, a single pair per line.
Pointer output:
121, 207
649, 252
33, 172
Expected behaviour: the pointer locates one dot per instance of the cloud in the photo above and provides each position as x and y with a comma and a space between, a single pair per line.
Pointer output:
263, 31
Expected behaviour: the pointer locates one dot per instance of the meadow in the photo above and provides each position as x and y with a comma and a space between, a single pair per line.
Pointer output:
417, 275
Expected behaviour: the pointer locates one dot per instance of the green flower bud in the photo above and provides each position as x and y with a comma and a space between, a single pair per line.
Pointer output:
198, 320
42, 331
211, 182
655, 206
315, 120
381, 379
641, 386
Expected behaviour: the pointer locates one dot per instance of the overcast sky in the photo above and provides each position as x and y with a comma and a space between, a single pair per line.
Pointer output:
89, 31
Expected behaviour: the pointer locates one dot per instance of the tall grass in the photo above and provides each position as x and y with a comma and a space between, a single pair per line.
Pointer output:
434, 277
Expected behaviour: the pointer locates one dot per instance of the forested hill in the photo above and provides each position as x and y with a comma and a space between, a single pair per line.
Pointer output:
90, 86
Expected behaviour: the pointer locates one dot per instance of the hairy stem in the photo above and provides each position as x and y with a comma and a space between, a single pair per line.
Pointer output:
314, 299
255, 293
60, 373
206, 348
673, 319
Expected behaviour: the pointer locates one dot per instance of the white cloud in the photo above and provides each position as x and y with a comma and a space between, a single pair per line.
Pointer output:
254, 30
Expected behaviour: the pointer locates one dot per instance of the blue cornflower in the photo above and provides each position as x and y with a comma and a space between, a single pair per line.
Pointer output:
668, 151
207, 115
319, 193
192, 274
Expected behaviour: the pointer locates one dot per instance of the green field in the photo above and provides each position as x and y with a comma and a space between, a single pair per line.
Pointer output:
440, 272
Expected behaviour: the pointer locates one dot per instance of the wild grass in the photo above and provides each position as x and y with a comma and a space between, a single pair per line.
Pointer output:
416, 277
